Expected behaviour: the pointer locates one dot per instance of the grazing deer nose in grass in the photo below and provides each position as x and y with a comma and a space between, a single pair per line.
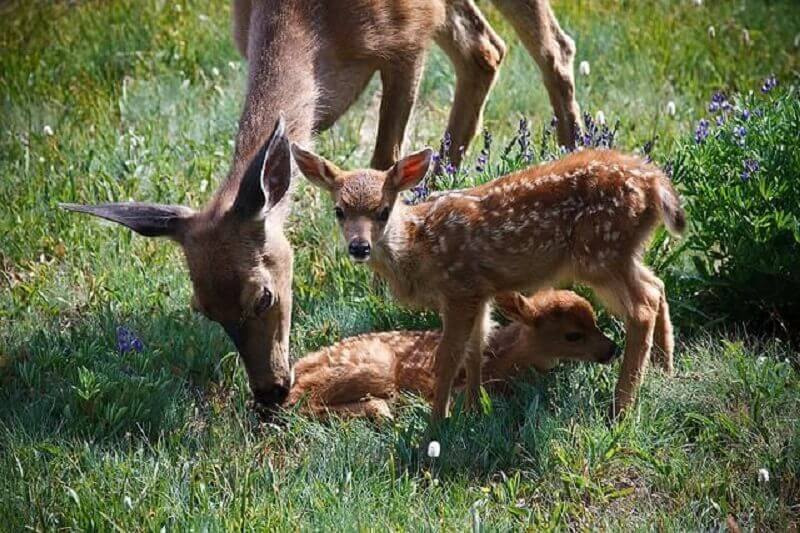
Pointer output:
585, 218
239, 260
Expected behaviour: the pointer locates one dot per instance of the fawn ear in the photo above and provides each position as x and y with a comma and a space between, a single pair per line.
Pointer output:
514, 306
267, 178
410, 170
150, 220
317, 169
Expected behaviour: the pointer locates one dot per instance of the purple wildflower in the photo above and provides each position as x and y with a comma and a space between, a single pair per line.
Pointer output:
647, 149
770, 83
745, 114
702, 131
720, 120
128, 341
740, 131
524, 140
751, 167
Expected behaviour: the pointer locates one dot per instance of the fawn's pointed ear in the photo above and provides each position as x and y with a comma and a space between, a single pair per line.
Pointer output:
514, 306
317, 169
150, 220
410, 170
267, 178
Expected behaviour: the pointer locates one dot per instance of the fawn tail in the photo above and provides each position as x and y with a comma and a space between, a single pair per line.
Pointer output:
669, 204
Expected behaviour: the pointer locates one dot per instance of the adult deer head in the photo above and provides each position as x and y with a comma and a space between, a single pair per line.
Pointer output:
239, 260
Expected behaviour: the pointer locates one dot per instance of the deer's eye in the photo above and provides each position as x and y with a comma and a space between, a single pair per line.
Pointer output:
264, 302
574, 336
383, 214
339, 212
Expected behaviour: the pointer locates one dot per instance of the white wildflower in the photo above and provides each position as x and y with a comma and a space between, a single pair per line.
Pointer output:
761, 360
763, 475
203, 185
600, 118
698, 3
41, 159
215, 72
584, 68
47, 130
746, 37
128, 502
711, 32
434, 449
671, 109
797, 41
202, 17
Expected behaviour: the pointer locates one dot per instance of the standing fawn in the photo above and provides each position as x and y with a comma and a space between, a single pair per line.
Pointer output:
584, 218
308, 62
362, 375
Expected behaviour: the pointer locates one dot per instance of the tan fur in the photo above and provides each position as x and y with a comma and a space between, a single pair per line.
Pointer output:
361, 376
584, 218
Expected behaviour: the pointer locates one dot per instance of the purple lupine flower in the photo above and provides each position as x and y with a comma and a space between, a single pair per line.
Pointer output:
751, 167
718, 102
740, 131
128, 341
524, 140
770, 83
647, 149
720, 120
702, 131
745, 114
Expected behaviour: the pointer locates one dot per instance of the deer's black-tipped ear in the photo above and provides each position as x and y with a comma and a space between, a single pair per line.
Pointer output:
267, 178
410, 170
150, 220
317, 169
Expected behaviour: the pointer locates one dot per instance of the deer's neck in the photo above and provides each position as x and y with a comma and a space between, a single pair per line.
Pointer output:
281, 51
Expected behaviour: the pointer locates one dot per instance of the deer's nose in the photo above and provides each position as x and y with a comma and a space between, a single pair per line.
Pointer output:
359, 249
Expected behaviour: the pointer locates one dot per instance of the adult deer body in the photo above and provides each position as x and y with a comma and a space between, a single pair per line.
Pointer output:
584, 218
308, 62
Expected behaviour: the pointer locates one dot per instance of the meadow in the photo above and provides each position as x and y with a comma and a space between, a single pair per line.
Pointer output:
109, 101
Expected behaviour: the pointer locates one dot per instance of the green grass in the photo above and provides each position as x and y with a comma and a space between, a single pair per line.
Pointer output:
143, 98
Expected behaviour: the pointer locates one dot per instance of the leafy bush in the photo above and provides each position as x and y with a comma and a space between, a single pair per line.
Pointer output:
739, 177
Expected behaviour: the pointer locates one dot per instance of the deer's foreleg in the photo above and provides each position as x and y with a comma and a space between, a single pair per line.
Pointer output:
400, 83
554, 52
476, 52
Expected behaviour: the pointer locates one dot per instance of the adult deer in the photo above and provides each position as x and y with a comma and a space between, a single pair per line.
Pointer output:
309, 61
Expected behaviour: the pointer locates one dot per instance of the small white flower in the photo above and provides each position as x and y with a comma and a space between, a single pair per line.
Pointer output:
203, 185
746, 37
711, 32
434, 449
698, 3
47, 130
671, 110
128, 502
761, 360
584, 68
215, 72
202, 17
41, 159
763, 475
600, 118
797, 41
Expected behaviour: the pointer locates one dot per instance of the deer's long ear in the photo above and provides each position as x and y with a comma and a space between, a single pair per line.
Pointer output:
514, 306
150, 220
317, 169
410, 170
267, 178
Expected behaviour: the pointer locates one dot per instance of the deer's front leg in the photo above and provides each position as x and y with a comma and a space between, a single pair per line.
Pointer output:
458, 324
475, 348
400, 83
476, 52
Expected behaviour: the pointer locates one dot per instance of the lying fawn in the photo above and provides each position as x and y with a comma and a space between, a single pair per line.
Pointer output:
362, 375
584, 218
309, 61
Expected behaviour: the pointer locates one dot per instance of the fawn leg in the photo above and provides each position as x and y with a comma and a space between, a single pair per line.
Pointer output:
476, 52
458, 324
663, 337
554, 52
400, 84
376, 409
475, 347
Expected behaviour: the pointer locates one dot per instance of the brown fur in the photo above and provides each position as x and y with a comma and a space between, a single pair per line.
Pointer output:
362, 375
584, 218
308, 62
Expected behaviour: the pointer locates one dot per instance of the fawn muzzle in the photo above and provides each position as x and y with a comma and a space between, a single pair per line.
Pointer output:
359, 249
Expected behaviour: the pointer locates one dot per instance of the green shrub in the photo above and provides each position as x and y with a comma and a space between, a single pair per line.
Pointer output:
740, 178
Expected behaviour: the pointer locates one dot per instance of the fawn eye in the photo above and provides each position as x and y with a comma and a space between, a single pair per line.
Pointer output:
264, 301
383, 214
339, 212
573, 336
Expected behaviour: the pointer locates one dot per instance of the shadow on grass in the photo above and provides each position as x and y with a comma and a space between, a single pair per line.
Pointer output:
70, 378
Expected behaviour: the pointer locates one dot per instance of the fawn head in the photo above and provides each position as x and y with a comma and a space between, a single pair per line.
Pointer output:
557, 325
239, 261
363, 200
